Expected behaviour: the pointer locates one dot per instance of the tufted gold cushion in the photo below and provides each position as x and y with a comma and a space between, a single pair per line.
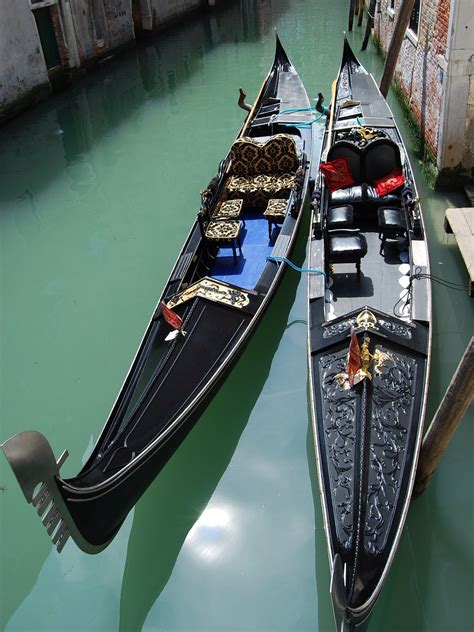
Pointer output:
276, 209
276, 156
223, 230
257, 190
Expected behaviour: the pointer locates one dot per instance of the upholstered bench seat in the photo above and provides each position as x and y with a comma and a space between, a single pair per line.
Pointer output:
361, 193
257, 190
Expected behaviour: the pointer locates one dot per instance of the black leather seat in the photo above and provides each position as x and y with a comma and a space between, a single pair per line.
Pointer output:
347, 246
340, 216
392, 225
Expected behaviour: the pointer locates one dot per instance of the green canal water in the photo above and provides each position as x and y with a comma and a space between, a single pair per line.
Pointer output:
98, 188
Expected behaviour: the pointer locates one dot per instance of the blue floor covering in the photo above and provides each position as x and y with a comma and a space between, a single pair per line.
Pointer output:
255, 250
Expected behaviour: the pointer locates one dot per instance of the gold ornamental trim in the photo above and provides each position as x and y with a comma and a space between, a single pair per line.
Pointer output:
366, 319
213, 291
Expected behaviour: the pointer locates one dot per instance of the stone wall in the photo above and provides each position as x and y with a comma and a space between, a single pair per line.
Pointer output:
23, 74
425, 69
165, 11
421, 65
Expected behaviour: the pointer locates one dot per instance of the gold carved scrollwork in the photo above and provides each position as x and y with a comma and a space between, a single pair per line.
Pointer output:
212, 290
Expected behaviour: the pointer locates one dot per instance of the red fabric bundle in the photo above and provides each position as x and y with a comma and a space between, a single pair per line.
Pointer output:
337, 174
389, 183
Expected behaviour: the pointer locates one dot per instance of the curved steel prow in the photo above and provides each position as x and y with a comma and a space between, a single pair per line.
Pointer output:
35, 467
338, 594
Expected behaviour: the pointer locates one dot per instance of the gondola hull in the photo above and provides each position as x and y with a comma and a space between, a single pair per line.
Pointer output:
216, 298
367, 434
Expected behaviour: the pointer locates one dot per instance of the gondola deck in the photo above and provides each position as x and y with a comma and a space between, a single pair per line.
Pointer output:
369, 324
218, 290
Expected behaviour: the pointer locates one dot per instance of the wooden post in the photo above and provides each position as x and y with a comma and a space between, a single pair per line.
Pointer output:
398, 35
361, 12
370, 23
351, 13
447, 418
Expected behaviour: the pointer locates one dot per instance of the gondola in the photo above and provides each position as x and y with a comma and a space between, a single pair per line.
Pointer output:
369, 341
221, 284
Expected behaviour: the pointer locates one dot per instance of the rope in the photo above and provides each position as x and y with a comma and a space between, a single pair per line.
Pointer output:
295, 267
307, 123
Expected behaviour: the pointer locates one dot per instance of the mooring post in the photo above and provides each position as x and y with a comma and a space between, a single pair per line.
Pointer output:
351, 13
447, 418
370, 23
361, 12
404, 13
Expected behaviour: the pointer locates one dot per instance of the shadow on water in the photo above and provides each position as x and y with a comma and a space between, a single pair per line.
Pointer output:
174, 502
63, 130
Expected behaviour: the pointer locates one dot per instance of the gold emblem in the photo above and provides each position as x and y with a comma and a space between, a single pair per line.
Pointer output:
366, 319
212, 290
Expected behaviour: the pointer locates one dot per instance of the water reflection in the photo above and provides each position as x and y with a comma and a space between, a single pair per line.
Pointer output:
177, 508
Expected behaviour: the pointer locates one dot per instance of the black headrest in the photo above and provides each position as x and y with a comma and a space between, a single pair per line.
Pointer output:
344, 148
381, 157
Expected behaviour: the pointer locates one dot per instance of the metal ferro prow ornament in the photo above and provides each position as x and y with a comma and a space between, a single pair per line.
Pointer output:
380, 358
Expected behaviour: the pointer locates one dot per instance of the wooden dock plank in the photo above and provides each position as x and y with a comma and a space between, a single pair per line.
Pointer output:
461, 223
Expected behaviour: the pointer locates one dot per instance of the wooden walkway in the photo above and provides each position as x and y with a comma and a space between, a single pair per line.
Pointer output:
460, 222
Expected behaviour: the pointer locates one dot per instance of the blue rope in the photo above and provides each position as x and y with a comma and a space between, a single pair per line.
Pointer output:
307, 123
292, 265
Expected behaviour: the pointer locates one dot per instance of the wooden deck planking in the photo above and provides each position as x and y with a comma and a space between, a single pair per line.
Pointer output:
460, 222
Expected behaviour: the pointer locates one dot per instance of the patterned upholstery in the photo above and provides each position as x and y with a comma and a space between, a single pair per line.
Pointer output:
259, 189
230, 209
276, 209
275, 156
223, 231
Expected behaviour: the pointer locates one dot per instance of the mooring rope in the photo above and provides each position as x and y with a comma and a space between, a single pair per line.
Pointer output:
303, 123
295, 267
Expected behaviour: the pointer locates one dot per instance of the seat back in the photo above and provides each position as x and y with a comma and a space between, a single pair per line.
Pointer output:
346, 149
382, 156
275, 156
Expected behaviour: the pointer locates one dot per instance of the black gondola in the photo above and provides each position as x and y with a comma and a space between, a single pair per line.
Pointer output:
218, 290
369, 338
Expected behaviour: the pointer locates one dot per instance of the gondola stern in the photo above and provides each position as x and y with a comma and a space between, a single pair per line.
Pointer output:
37, 471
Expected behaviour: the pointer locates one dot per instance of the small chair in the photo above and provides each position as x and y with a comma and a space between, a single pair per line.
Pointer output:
392, 225
230, 209
347, 246
340, 216
225, 232
275, 213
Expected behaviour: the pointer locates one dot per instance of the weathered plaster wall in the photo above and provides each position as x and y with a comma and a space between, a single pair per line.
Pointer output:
420, 70
23, 73
166, 10
101, 26
457, 140
434, 72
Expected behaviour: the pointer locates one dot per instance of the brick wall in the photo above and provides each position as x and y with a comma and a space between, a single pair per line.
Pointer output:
421, 66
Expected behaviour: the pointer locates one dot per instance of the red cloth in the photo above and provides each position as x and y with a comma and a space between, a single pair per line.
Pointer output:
171, 317
390, 182
337, 174
353, 358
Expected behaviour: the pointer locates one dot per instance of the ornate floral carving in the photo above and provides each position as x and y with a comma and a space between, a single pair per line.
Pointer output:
393, 398
395, 328
338, 422
338, 328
